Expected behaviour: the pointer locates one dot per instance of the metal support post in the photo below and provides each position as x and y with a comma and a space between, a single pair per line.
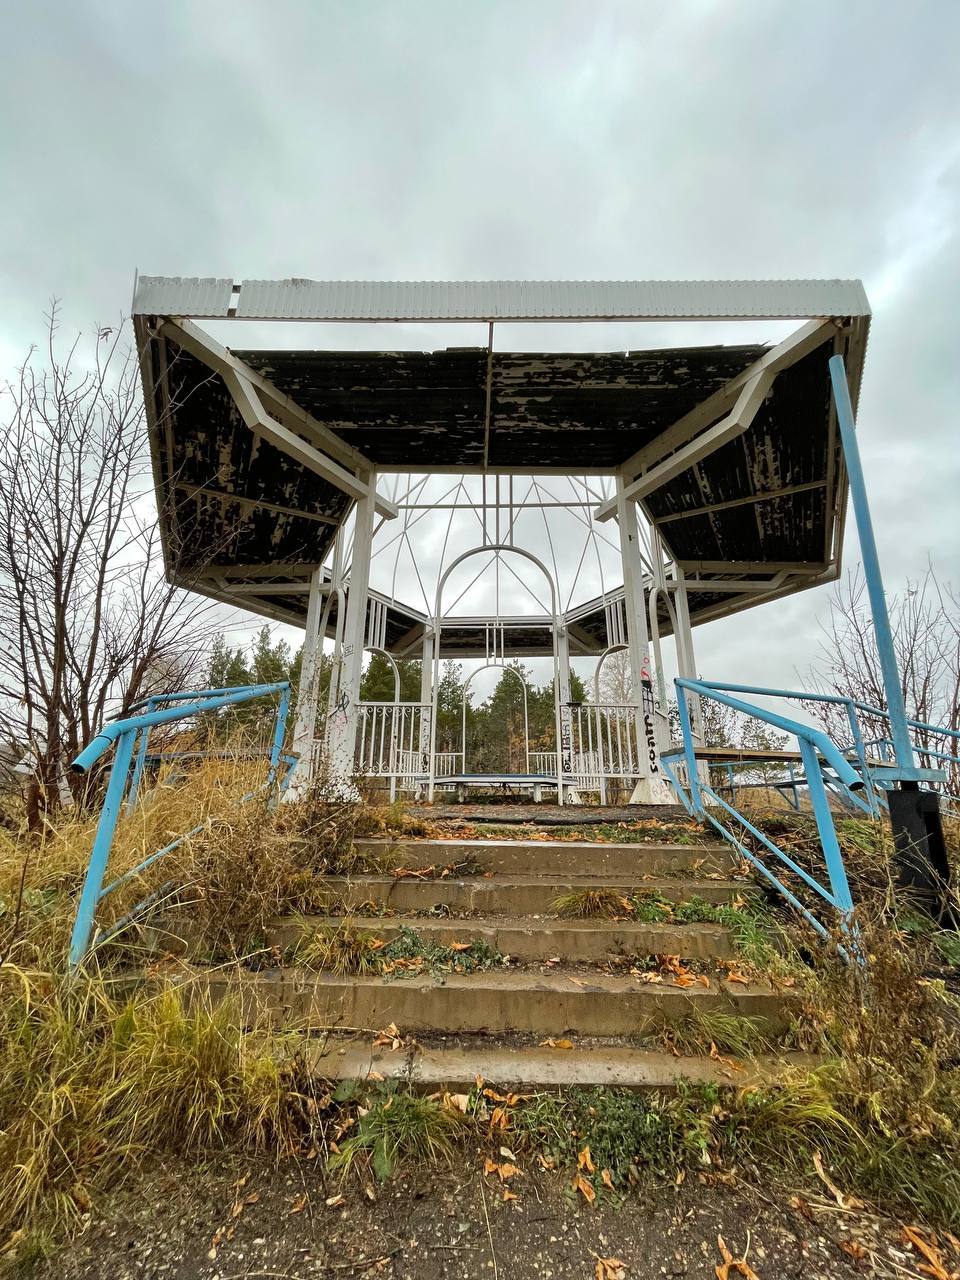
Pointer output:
308, 693
893, 691
279, 733
343, 728
140, 763
651, 787
921, 853
426, 698
93, 883
839, 887
565, 744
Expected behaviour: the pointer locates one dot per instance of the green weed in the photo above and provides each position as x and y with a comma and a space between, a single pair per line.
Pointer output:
400, 1128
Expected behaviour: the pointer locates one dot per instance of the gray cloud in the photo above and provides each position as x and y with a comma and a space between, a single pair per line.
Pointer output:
517, 139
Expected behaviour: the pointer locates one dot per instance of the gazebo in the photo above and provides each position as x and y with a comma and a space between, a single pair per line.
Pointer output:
716, 471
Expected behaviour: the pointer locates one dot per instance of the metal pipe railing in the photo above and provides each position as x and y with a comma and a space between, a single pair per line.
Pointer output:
816, 751
123, 733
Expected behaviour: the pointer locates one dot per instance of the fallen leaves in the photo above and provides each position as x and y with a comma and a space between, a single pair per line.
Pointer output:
610, 1269
556, 1044
734, 974
584, 1186
228, 1229
740, 1265
503, 1171
674, 967
934, 1265
854, 1249
390, 1038
717, 1056
585, 1161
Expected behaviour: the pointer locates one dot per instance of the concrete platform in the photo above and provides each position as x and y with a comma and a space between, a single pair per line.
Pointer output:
569, 1001
555, 857
455, 1068
526, 939
512, 895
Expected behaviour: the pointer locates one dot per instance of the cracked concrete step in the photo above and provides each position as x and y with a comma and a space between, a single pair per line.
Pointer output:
455, 1068
560, 857
527, 939
578, 1001
511, 895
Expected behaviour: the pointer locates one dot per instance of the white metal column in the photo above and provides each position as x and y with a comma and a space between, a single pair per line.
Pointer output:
308, 694
570, 794
686, 662
343, 726
426, 698
652, 787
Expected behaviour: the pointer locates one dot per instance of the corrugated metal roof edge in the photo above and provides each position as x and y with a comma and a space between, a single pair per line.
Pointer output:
357, 300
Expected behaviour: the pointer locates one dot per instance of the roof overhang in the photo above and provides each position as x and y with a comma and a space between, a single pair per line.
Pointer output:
732, 451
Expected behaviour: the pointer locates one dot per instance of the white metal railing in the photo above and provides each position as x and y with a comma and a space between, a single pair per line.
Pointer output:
605, 744
543, 762
447, 763
393, 742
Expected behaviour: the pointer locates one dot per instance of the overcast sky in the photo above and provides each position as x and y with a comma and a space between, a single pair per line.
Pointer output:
516, 139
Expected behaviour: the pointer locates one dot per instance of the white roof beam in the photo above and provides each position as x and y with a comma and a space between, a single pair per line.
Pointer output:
255, 415
751, 397
793, 348
276, 508
747, 501
193, 339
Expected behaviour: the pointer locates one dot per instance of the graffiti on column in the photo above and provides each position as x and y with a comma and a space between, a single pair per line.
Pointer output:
648, 707
566, 739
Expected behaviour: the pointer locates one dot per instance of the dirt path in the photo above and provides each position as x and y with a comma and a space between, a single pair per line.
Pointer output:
249, 1219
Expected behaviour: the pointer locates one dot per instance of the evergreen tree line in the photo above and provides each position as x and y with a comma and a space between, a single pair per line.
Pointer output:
494, 727
495, 737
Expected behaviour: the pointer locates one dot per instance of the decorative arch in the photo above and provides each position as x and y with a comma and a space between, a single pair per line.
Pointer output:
501, 666
563, 728
611, 648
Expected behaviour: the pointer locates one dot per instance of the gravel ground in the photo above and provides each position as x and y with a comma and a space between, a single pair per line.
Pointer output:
251, 1219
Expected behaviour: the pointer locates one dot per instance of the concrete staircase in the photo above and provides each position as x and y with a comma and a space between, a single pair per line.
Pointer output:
579, 1001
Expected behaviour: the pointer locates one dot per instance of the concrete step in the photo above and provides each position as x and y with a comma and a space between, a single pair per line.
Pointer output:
576, 941
559, 857
456, 1067
577, 1001
509, 895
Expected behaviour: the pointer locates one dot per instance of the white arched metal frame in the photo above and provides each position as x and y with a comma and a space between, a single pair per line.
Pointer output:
494, 666
562, 721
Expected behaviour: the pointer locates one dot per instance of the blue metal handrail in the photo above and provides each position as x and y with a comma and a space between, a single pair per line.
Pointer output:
123, 734
815, 747
877, 778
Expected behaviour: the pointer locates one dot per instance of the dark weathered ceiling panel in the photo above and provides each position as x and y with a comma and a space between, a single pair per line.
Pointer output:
401, 408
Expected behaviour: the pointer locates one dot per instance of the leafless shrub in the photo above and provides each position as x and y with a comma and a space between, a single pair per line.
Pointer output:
88, 623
